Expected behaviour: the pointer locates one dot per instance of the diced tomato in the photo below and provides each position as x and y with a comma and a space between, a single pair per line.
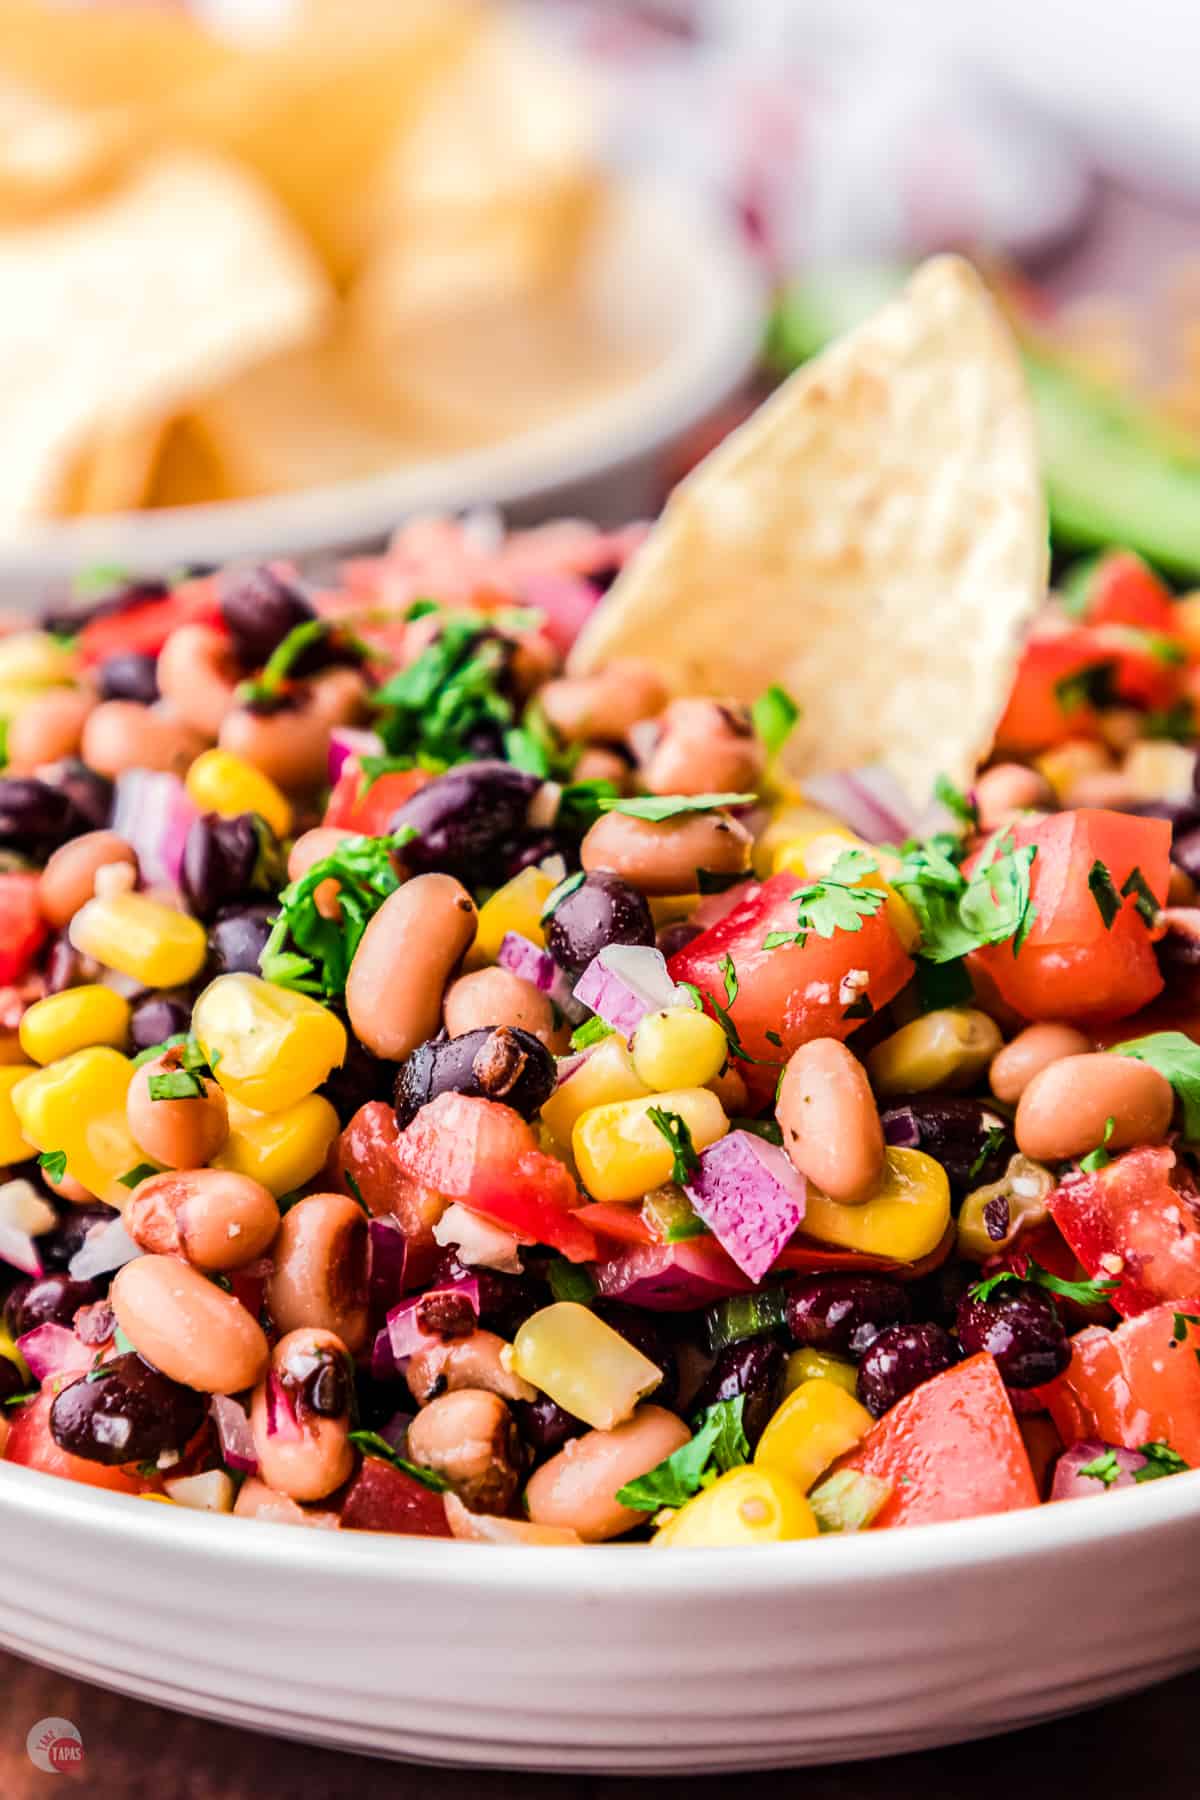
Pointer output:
535, 1198
367, 1153
30, 1443
794, 992
1140, 1217
357, 804
1072, 965
144, 629
1139, 1384
619, 1224
384, 1498
951, 1450
1048, 1248
1060, 669
22, 927
1123, 590
804, 1257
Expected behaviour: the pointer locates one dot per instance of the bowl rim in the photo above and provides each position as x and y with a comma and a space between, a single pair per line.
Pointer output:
712, 347
365, 1557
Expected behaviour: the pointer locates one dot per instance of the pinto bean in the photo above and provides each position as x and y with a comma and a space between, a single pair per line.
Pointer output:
320, 1274
829, 1120
68, 880
290, 745
300, 1416
467, 1362
406, 955
1031, 1051
1007, 789
1064, 1111
667, 857
182, 1134
257, 1501
187, 1326
338, 696
490, 997
578, 1487
214, 1218
604, 705
485, 1528
119, 735
469, 1437
705, 747
198, 673
598, 763
48, 730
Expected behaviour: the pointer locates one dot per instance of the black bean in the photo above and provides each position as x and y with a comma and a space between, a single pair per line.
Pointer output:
259, 609
602, 910
844, 1313
157, 1018
754, 1368
677, 937
1019, 1325
90, 794
227, 860
545, 1425
47, 1300
237, 938
57, 1247
972, 1141
645, 1334
466, 821
129, 676
125, 1412
11, 1380
36, 817
498, 1063
899, 1360
66, 967
361, 1077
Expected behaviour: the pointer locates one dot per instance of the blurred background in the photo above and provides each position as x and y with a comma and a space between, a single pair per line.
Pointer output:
403, 254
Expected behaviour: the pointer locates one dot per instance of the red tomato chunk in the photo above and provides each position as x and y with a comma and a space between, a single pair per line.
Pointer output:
1137, 1220
1139, 1384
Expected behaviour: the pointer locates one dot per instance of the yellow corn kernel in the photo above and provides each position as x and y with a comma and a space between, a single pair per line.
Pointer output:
1186, 621
678, 1048
606, 1075
905, 1219
793, 821
1063, 765
283, 1149
949, 1048
34, 659
223, 783
517, 906
1024, 1190
743, 1506
14, 1146
815, 1425
77, 1105
583, 1364
621, 1153
795, 853
818, 1365
1158, 770
140, 937
668, 909
158, 1499
75, 1019
266, 1045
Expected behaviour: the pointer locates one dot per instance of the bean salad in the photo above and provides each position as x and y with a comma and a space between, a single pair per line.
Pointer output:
446, 1095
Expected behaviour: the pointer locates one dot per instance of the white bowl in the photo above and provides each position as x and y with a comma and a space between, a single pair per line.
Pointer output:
615, 1658
670, 273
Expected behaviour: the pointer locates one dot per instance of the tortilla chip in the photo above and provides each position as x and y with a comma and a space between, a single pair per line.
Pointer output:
873, 539
51, 155
106, 56
183, 276
115, 471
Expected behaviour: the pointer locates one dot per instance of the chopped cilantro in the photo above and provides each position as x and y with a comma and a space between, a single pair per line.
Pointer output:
773, 1037
54, 1162
730, 977
20, 1399
451, 692
719, 1443
121, 1343
1103, 890
140, 1172
279, 665
955, 801
957, 915
1099, 1158
3, 742
589, 1033
675, 1129
1178, 1058
581, 803
419, 609
176, 1084
570, 1281
1179, 1329
557, 895
1104, 1468
774, 714
693, 993
1084, 1293
1161, 1460
365, 874
1093, 685
723, 1015
831, 905
658, 807
1146, 903
993, 1138
156, 1050
1174, 722
524, 751
352, 1183
371, 1444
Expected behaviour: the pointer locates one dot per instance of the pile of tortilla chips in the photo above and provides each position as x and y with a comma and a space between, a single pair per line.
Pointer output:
233, 269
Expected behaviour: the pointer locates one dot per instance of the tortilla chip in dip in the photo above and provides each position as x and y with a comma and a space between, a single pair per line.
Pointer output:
873, 539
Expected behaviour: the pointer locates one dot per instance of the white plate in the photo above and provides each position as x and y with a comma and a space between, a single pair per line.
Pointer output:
615, 1658
671, 274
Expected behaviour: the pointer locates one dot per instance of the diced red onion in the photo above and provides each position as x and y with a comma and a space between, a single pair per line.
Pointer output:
18, 1249
671, 1277
521, 956
153, 813
1070, 1484
624, 982
346, 741
870, 801
751, 1198
106, 1247
387, 1261
479, 1243
383, 1363
281, 1417
570, 1065
24, 1215
395, 1432
233, 1430
53, 1350
404, 1330
901, 1128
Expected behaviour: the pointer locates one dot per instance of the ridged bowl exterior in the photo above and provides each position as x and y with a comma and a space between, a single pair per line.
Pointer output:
618, 1659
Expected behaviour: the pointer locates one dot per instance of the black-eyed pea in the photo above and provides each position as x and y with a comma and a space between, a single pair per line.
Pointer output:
578, 1487
214, 1218
605, 705
1080, 1103
490, 997
320, 1273
598, 763
119, 735
183, 1129
470, 1439
829, 1120
198, 674
187, 1326
338, 696
258, 1501
404, 960
48, 729
1031, 1051
290, 744
68, 880
476, 1361
667, 856
705, 747
300, 1416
